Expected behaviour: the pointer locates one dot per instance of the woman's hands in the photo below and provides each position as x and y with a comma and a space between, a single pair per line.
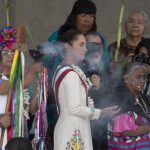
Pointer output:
106, 112
109, 111
29, 77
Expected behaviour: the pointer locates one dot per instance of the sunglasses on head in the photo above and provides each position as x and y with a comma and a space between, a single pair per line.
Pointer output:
7, 54
93, 46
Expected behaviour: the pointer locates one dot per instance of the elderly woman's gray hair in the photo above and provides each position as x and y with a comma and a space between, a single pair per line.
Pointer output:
146, 19
131, 67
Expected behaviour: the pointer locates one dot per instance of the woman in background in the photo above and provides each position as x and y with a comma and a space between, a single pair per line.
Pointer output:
135, 25
131, 127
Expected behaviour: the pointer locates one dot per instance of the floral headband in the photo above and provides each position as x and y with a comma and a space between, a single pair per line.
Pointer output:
7, 37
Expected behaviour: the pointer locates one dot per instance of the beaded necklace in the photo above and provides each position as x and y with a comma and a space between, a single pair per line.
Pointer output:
143, 105
82, 75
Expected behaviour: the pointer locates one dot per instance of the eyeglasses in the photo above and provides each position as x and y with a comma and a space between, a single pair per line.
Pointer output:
93, 46
8, 54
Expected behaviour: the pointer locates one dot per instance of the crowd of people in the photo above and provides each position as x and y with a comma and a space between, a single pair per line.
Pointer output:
93, 102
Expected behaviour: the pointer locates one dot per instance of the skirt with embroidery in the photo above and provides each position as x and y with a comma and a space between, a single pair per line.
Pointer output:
125, 122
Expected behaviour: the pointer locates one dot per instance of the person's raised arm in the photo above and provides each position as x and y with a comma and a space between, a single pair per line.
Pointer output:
29, 76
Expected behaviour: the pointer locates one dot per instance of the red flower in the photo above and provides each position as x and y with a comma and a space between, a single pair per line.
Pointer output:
1, 39
9, 44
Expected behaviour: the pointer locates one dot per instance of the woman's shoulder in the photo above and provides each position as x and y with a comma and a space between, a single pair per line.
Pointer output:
70, 72
72, 76
64, 71
113, 45
67, 76
53, 36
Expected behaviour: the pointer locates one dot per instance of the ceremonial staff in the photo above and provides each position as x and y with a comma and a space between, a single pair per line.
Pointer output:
119, 30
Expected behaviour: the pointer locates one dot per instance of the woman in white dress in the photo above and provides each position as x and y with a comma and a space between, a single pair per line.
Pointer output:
72, 131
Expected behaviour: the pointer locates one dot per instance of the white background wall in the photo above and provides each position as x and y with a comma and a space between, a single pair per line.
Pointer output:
44, 16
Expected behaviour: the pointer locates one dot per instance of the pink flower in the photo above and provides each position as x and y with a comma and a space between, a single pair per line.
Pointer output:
1, 38
9, 45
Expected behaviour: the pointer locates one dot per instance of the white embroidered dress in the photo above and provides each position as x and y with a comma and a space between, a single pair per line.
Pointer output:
72, 131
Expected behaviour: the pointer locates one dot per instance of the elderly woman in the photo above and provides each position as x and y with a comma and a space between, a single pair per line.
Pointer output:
74, 108
135, 25
131, 127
